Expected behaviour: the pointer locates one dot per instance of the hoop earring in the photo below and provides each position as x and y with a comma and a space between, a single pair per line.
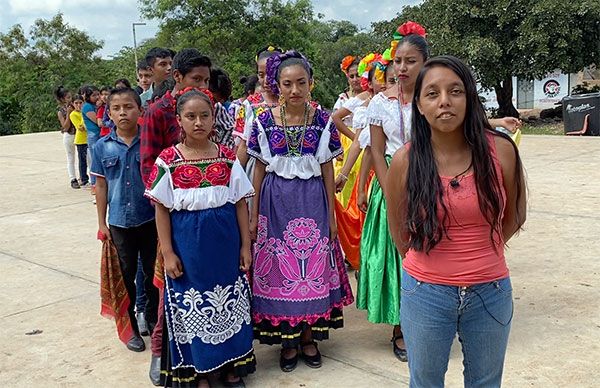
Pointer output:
281, 100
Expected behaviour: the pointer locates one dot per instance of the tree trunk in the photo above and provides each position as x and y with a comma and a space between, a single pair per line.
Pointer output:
504, 94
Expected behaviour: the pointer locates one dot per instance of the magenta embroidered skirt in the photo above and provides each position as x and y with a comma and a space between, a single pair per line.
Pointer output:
299, 279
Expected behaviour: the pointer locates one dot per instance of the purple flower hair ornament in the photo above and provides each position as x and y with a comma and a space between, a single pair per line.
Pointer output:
274, 64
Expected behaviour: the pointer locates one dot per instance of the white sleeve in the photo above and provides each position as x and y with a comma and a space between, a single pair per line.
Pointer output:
239, 184
375, 111
353, 103
248, 120
161, 187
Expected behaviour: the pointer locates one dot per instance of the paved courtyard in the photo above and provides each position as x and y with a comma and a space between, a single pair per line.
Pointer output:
49, 263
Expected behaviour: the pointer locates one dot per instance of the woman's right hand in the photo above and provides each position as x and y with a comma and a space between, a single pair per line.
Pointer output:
173, 265
340, 182
361, 201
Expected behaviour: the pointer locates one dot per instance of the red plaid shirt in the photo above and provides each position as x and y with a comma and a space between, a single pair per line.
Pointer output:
159, 130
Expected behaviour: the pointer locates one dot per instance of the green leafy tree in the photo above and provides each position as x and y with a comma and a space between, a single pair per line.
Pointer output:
506, 38
53, 54
232, 32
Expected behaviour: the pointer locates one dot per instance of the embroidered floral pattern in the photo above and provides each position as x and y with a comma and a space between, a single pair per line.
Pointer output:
213, 316
218, 174
301, 234
168, 155
187, 176
298, 265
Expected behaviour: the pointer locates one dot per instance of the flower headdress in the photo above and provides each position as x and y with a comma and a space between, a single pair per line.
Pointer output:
365, 66
275, 61
271, 49
346, 62
189, 89
405, 29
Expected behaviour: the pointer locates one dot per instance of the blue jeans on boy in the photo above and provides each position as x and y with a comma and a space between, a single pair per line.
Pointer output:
432, 315
92, 138
140, 293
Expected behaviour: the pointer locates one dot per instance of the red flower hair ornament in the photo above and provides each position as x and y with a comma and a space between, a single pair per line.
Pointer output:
207, 92
405, 29
409, 28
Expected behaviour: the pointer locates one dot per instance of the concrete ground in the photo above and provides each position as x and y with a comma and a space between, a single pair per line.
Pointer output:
49, 263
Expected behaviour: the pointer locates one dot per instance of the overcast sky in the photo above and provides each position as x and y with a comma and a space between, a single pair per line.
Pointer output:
110, 20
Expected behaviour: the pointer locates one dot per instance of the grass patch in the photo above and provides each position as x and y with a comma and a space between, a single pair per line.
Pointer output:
543, 129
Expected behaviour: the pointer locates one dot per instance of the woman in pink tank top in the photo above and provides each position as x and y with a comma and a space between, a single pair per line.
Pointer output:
456, 195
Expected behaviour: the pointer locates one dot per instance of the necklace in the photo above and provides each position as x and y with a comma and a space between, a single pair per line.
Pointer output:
294, 138
455, 182
400, 105
200, 154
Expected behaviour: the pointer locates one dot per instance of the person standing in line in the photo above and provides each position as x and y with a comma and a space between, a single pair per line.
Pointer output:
160, 130
221, 87
120, 190
67, 129
144, 76
80, 141
300, 284
159, 61
91, 95
202, 218
389, 122
101, 111
456, 194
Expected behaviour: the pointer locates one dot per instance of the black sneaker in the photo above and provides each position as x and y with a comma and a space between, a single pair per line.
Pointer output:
136, 344
75, 184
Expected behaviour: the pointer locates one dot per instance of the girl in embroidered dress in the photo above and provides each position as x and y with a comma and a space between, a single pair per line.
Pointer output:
299, 281
348, 215
202, 221
389, 116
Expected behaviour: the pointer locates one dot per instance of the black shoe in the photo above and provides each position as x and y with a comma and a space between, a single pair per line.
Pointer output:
136, 344
312, 361
232, 384
288, 364
398, 351
75, 184
155, 370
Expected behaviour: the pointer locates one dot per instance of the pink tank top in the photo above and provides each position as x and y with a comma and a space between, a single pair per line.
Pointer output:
468, 257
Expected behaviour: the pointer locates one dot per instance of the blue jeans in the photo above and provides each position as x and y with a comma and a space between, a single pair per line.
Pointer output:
140, 292
432, 315
92, 138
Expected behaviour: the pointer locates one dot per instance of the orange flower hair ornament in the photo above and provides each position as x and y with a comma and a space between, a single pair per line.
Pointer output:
346, 62
403, 30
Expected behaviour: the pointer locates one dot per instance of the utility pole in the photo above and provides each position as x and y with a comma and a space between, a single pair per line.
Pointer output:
135, 41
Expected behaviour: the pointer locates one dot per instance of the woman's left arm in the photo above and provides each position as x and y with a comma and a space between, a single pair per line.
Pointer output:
327, 172
514, 186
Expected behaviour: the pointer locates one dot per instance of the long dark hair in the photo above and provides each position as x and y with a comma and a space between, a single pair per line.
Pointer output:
424, 186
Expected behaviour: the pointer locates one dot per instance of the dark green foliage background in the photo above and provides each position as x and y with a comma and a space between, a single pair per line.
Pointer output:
500, 38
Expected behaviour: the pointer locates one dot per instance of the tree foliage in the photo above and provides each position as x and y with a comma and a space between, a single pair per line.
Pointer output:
231, 32
499, 38
506, 38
